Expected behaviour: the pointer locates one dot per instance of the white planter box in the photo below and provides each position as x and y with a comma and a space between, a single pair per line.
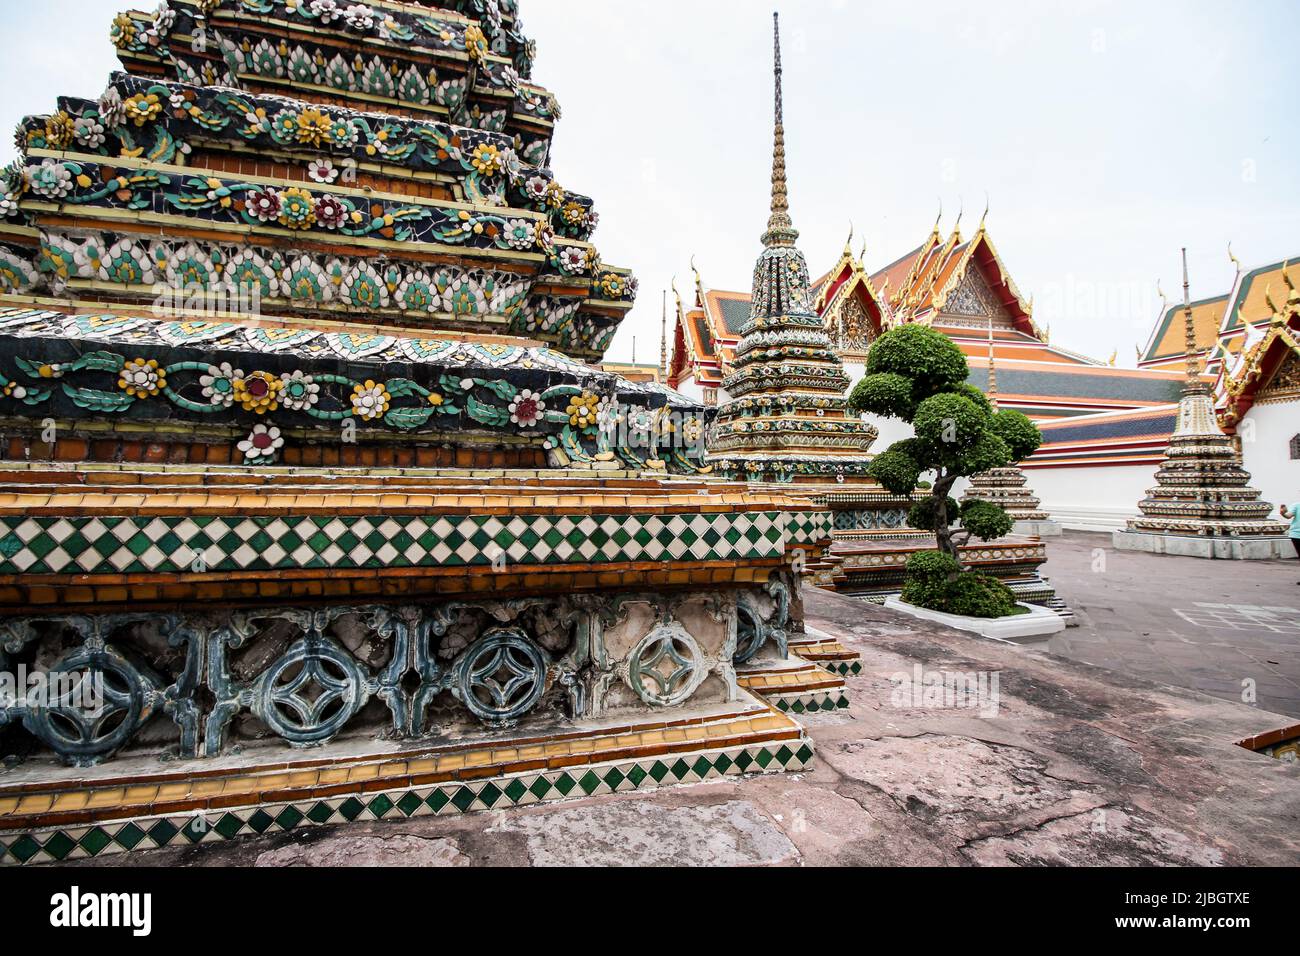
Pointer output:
1039, 622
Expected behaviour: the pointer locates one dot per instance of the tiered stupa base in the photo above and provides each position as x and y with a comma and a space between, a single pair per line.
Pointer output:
873, 542
795, 685
361, 645
1273, 548
1037, 529
1007, 488
1202, 506
50, 813
874, 570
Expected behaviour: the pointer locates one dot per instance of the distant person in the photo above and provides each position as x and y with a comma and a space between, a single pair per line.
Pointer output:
1293, 512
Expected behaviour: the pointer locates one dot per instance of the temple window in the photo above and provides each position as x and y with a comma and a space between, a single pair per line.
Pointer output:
1295, 448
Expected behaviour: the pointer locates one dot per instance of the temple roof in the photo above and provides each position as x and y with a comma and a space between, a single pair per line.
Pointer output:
1249, 295
1168, 345
1221, 319
727, 311
1043, 389
1267, 356
1043, 379
1132, 437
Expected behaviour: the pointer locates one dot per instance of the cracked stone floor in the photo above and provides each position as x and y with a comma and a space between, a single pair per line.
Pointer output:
1079, 766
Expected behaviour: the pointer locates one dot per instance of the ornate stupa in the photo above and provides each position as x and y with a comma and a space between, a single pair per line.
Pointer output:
788, 419
303, 455
1008, 487
1202, 505
788, 422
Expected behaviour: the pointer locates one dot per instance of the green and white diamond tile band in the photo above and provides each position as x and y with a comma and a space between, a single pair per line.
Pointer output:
501, 792
144, 544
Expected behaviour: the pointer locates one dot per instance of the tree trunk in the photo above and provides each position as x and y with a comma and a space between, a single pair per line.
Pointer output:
943, 532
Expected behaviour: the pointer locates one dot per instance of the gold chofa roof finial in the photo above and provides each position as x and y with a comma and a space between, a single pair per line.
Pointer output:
985, 218
1234, 260
780, 228
1268, 299
848, 243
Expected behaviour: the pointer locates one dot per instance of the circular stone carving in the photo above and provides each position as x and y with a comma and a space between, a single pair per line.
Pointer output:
667, 667
87, 736
502, 676
751, 634
311, 692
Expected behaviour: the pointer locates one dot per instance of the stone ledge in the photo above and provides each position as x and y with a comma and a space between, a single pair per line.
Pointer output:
1040, 529
1227, 549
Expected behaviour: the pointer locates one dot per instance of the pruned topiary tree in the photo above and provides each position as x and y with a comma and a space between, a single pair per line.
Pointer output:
918, 375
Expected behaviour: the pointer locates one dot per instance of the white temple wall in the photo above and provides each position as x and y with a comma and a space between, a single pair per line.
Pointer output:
691, 389
1093, 498
1266, 434
855, 372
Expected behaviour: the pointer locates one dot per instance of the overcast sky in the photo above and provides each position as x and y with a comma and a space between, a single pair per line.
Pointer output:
1106, 135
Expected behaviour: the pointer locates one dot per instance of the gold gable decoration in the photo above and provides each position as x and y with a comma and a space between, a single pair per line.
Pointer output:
1284, 386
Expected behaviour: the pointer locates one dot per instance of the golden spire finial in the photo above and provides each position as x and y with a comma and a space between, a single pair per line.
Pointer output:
984, 218
993, 369
1233, 259
780, 228
862, 255
956, 227
663, 341
1114, 357
1189, 330
937, 219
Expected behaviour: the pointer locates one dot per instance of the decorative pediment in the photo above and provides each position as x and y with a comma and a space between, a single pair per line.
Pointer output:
852, 330
973, 298
1285, 383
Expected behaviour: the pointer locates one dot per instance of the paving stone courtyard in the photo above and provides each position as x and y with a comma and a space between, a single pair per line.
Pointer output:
1075, 765
1205, 625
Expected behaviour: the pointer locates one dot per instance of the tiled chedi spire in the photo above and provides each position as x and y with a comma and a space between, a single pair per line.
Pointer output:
315, 248
788, 418
1201, 487
1004, 487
